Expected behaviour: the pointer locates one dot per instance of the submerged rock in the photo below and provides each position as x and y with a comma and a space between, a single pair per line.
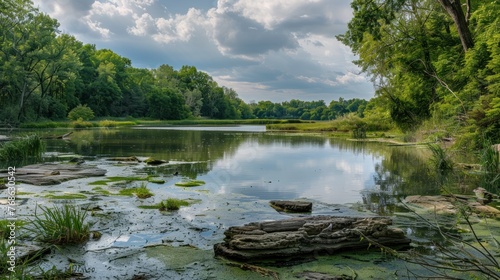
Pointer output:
153, 161
305, 236
55, 173
291, 206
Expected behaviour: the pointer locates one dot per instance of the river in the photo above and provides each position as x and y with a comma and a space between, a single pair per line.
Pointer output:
243, 167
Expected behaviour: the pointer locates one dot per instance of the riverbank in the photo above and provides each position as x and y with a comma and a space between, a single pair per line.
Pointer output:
118, 122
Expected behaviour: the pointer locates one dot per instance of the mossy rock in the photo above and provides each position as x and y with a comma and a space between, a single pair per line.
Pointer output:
191, 183
153, 161
156, 180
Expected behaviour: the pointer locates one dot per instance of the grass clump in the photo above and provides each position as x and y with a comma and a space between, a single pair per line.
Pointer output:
28, 149
140, 192
172, 204
190, 183
61, 225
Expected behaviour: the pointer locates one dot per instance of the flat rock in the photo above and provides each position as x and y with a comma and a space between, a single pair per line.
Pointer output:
450, 204
302, 237
55, 173
309, 275
126, 159
291, 206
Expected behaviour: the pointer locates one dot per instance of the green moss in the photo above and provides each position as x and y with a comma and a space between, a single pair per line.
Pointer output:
99, 183
24, 193
156, 180
66, 196
191, 183
126, 179
100, 190
117, 179
140, 192
156, 206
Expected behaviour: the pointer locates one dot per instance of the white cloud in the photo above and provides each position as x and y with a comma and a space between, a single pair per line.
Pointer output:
350, 77
264, 49
178, 27
96, 26
111, 8
143, 25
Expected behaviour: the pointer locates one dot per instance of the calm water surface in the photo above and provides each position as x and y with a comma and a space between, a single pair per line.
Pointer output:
248, 161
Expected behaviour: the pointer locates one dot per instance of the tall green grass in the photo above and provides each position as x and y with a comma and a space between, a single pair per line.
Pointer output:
28, 149
440, 160
60, 225
490, 165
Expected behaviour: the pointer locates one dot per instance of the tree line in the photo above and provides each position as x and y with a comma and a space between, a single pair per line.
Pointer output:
45, 74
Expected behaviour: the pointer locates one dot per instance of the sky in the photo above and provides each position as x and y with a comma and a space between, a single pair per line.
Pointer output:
274, 50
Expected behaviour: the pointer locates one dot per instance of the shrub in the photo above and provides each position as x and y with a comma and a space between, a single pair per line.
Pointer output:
60, 225
81, 112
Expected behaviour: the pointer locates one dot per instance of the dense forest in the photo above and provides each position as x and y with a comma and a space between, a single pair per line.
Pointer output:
433, 63
46, 74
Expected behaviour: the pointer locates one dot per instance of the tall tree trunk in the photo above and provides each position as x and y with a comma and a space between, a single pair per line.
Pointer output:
454, 9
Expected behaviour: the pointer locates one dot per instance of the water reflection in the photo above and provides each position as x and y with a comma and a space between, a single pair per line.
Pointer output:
270, 166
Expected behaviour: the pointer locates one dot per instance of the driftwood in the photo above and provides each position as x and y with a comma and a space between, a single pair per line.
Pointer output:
301, 237
53, 173
64, 136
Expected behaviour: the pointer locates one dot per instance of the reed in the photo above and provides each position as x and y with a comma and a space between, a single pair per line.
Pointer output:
27, 149
440, 160
60, 225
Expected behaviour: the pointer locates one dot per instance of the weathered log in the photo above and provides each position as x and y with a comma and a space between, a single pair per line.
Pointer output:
53, 173
301, 237
291, 206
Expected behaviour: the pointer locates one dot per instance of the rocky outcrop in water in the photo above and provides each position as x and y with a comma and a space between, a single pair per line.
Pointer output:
304, 236
55, 173
441, 204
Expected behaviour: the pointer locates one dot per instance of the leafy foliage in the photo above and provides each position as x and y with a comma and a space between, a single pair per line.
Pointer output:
424, 63
81, 112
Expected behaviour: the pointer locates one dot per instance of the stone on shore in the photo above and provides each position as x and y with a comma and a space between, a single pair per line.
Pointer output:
55, 173
302, 237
